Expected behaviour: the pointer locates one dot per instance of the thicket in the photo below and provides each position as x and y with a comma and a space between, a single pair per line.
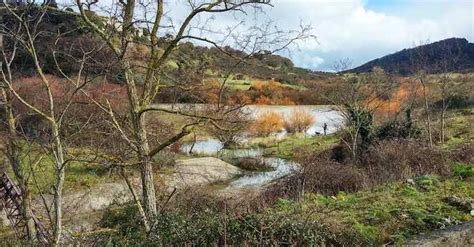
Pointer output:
266, 124
299, 121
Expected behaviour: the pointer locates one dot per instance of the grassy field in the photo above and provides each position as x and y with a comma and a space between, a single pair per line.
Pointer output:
286, 147
391, 213
460, 128
79, 174
245, 84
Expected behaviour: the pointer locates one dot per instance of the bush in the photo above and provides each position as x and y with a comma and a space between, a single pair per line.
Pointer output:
385, 161
206, 225
463, 170
266, 124
463, 154
399, 128
299, 121
395, 160
322, 175
126, 220
165, 158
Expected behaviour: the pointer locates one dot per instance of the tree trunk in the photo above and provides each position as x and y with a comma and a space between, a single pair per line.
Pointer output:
15, 163
442, 124
427, 112
28, 214
355, 137
142, 146
443, 116
148, 184
58, 190
137, 201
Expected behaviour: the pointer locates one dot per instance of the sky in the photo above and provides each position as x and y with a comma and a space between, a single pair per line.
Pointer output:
359, 30
362, 30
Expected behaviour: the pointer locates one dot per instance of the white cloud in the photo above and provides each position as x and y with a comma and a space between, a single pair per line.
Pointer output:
310, 61
350, 29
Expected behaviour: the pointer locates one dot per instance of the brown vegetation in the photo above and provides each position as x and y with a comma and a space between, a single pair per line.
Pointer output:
299, 121
386, 161
266, 124
269, 93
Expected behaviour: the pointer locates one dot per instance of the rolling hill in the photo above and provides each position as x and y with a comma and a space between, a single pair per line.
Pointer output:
449, 55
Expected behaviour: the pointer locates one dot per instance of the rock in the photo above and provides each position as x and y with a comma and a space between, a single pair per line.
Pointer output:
199, 171
411, 182
465, 204
83, 209
97, 198
459, 235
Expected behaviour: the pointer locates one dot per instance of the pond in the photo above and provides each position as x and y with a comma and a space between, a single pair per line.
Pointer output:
323, 114
281, 167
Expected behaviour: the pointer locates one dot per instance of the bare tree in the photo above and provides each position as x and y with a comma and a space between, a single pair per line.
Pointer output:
143, 80
23, 30
420, 62
13, 147
447, 84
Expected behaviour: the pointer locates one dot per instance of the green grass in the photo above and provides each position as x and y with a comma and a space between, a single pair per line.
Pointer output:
394, 212
459, 129
286, 147
463, 170
388, 214
79, 175
239, 84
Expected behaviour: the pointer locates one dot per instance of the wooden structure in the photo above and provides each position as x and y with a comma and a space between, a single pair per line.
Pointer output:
10, 200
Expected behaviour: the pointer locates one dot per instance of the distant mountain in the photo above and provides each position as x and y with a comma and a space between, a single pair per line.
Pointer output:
449, 55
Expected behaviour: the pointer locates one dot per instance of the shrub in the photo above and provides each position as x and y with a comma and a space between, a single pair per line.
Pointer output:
205, 225
266, 124
329, 177
394, 160
165, 158
399, 128
385, 161
299, 121
463, 170
463, 154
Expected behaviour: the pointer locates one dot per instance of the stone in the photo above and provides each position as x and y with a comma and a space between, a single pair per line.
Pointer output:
199, 171
465, 204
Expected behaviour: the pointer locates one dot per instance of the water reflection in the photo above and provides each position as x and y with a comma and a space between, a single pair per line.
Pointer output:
281, 168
